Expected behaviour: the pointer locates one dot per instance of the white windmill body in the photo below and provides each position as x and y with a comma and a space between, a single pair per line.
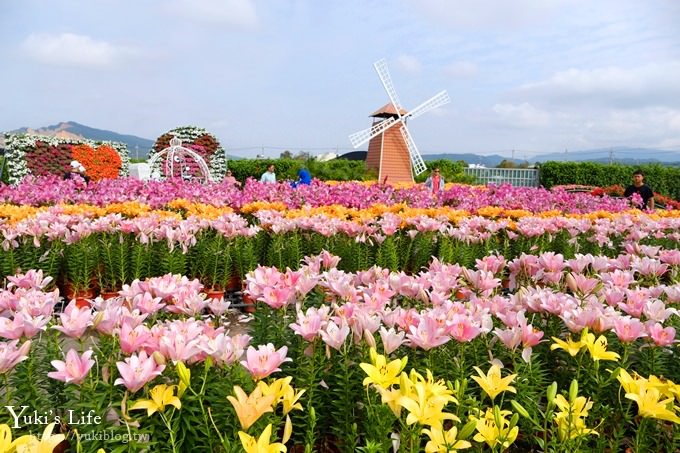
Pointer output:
391, 149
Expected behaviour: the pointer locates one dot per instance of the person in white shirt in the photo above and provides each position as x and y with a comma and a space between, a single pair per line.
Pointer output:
269, 176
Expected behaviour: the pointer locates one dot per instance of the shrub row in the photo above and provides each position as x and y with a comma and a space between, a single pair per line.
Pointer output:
336, 170
662, 179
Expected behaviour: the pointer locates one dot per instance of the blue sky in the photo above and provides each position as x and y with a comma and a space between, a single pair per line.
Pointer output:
534, 76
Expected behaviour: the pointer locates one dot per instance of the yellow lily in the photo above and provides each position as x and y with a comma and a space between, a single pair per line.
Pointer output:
630, 384
492, 434
664, 386
649, 404
283, 393
492, 383
442, 441
291, 399
434, 388
392, 396
46, 444
578, 408
598, 348
161, 396
572, 347
6, 444
380, 372
570, 419
249, 408
426, 408
262, 444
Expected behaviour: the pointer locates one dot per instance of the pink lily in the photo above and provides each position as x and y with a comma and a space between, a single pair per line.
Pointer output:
74, 369
10, 355
74, 320
264, 360
137, 370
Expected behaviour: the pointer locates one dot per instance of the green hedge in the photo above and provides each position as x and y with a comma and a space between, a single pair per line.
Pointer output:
3, 165
336, 170
662, 179
451, 171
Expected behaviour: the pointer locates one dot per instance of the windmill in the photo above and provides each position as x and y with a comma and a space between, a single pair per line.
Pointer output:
391, 149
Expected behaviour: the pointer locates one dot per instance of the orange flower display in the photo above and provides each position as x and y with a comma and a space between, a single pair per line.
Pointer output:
104, 162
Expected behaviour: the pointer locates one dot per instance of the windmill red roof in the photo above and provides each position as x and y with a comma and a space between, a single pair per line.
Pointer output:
388, 110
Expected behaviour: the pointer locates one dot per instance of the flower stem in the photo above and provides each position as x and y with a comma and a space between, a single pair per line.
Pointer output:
166, 421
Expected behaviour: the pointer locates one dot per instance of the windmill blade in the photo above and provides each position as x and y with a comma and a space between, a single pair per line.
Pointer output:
384, 74
416, 159
435, 101
359, 138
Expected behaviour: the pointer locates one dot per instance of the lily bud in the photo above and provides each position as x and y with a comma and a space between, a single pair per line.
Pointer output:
97, 319
552, 392
571, 282
520, 409
573, 390
184, 375
370, 340
158, 358
514, 420
467, 430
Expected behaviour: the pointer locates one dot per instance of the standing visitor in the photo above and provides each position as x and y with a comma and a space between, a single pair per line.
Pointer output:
269, 176
639, 187
435, 182
229, 179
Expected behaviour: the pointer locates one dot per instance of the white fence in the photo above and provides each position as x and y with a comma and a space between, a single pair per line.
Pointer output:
518, 177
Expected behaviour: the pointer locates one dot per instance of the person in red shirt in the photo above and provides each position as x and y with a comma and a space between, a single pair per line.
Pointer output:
435, 182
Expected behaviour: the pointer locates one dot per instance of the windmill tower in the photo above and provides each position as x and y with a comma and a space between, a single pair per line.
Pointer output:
391, 149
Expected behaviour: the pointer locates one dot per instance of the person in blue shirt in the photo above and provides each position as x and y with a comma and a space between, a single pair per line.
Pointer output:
304, 177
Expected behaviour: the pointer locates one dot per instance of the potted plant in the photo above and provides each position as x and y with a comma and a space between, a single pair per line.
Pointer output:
81, 259
113, 269
211, 261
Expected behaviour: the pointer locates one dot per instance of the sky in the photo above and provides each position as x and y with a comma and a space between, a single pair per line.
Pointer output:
527, 77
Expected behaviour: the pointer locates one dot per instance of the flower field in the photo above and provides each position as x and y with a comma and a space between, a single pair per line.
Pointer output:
488, 319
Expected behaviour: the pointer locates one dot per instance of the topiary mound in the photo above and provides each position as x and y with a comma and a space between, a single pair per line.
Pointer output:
200, 141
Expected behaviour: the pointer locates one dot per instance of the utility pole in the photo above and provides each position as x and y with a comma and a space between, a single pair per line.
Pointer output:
513, 155
611, 156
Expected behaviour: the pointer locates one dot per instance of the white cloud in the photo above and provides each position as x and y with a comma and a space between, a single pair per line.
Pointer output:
614, 87
461, 70
521, 115
237, 13
409, 64
68, 49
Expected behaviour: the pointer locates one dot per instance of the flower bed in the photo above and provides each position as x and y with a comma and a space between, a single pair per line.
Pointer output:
106, 247
569, 358
49, 191
384, 320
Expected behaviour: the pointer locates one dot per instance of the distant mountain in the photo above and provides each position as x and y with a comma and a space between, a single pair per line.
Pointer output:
488, 161
623, 155
71, 129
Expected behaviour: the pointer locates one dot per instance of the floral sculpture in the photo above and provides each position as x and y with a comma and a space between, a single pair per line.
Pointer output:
202, 142
39, 155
